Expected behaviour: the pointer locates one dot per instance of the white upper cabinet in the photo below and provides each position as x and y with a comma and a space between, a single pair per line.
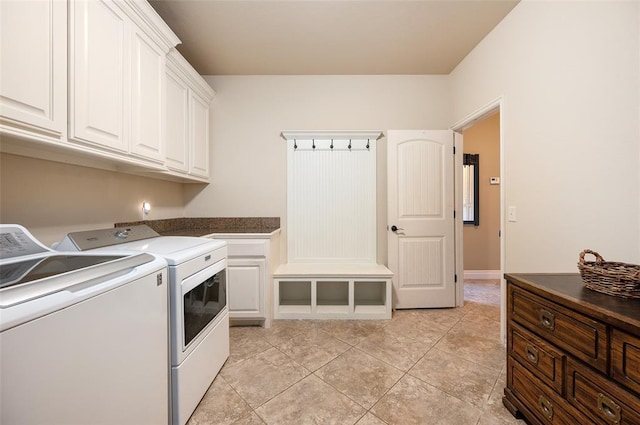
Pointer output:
177, 126
33, 78
99, 64
99, 83
199, 124
147, 98
117, 56
187, 123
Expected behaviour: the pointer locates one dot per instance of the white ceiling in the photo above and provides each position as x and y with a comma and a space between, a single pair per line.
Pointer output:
316, 37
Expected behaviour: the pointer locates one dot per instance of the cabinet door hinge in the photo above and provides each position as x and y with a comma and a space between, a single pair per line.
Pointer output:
455, 278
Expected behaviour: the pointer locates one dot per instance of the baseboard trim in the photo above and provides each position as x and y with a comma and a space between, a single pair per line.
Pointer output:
482, 274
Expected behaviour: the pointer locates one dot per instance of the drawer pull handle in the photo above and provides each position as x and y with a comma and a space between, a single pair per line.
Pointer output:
609, 408
532, 354
547, 319
545, 407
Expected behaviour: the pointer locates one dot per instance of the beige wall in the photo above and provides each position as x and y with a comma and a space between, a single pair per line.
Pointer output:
249, 157
482, 243
52, 199
568, 74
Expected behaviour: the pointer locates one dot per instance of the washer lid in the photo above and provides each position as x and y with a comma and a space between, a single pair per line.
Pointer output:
54, 276
18, 272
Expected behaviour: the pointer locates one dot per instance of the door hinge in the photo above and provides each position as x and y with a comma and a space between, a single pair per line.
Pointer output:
454, 150
454, 213
455, 278
499, 233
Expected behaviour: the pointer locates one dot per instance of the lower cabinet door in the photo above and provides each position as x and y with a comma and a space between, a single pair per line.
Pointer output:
246, 287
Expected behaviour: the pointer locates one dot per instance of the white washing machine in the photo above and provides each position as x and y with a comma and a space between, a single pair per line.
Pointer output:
199, 314
83, 336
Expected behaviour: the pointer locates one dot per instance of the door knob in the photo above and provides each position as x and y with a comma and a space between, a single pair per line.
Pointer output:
395, 228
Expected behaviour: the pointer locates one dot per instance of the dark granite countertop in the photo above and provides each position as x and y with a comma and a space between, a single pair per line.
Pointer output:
202, 226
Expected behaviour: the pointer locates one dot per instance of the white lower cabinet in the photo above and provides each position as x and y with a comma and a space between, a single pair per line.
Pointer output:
33, 78
252, 259
246, 284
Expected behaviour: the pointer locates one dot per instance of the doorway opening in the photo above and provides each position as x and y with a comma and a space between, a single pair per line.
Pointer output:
481, 236
483, 253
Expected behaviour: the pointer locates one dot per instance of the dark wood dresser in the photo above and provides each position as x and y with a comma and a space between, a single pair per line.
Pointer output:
573, 355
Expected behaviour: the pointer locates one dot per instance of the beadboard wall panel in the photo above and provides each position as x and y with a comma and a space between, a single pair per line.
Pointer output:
331, 199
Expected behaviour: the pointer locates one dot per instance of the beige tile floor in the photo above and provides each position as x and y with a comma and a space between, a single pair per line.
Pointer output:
422, 367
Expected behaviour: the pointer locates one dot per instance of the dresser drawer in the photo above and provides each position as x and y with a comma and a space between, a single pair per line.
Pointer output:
538, 399
544, 361
625, 359
575, 333
605, 402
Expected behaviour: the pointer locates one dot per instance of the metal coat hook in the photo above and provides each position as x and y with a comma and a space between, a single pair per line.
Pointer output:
349, 144
313, 143
367, 144
295, 144
331, 146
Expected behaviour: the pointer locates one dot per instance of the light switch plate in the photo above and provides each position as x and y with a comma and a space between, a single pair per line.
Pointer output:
512, 214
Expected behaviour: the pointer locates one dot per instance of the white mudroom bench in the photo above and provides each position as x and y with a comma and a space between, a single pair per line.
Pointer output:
332, 291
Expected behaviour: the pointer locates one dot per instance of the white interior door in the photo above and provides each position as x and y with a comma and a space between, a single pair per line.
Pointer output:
421, 237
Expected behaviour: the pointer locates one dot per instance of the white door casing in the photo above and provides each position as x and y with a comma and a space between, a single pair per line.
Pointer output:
421, 206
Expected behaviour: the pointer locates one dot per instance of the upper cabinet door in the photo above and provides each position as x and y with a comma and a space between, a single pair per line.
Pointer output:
33, 78
147, 98
188, 98
177, 125
99, 64
199, 131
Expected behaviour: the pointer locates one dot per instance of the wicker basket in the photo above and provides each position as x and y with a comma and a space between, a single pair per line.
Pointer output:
617, 279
